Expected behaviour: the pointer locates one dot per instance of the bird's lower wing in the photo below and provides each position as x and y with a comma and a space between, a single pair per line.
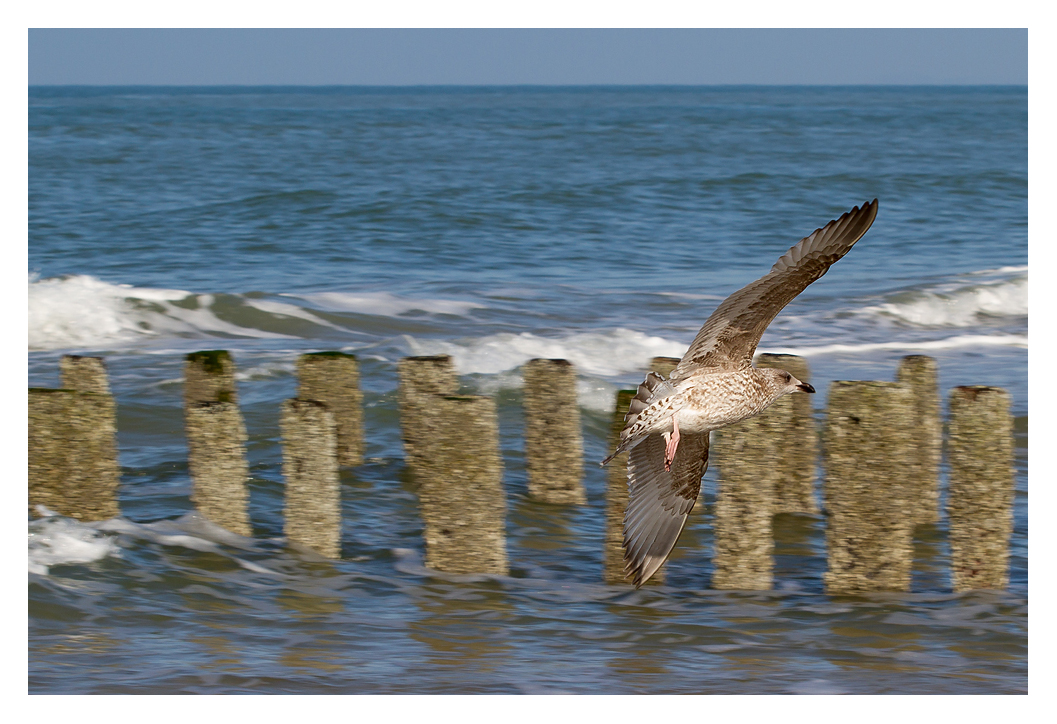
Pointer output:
659, 501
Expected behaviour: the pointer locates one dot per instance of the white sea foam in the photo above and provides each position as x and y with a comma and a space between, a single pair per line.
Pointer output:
607, 353
263, 370
386, 304
191, 530
1002, 270
495, 360
960, 303
596, 395
85, 311
54, 541
592, 393
82, 311
965, 340
280, 309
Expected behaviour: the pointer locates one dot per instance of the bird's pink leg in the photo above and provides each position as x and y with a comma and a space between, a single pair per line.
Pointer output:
672, 443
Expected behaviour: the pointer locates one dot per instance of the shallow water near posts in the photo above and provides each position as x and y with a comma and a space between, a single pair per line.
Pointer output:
597, 225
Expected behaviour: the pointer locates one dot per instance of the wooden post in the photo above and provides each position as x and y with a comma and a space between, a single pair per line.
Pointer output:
796, 457
982, 487
209, 376
553, 439
869, 439
747, 456
84, 374
310, 466
333, 378
461, 493
216, 440
73, 467
421, 378
919, 373
663, 365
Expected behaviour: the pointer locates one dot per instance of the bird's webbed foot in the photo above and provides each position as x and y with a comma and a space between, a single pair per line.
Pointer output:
671, 440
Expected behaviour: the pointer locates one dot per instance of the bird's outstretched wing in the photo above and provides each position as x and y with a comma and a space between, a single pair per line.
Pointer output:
729, 337
659, 501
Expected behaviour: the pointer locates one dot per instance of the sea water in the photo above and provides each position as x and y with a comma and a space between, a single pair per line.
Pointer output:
599, 225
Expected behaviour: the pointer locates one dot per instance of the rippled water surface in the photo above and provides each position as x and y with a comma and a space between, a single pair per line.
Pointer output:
498, 225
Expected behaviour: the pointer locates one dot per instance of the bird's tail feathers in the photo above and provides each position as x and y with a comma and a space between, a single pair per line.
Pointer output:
652, 388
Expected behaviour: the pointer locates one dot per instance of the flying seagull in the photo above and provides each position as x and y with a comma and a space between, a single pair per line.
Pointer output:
714, 385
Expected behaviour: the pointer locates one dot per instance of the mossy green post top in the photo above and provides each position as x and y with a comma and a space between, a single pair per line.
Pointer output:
212, 360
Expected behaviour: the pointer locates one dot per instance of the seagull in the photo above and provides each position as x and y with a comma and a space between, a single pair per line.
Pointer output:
714, 385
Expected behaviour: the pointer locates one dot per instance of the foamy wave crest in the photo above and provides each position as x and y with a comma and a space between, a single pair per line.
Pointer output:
966, 340
57, 541
604, 354
592, 393
960, 304
384, 304
82, 311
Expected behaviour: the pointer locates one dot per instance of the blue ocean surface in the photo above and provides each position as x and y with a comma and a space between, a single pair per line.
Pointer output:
601, 225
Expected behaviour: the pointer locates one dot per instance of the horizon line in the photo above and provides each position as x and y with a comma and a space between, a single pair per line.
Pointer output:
527, 85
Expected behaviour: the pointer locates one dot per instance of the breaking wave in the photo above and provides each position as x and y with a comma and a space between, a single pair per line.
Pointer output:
605, 353
81, 311
963, 302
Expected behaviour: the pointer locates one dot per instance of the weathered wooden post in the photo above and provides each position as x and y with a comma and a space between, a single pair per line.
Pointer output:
310, 465
919, 373
421, 378
216, 440
333, 378
663, 365
766, 466
869, 437
84, 374
209, 376
73, 467
747, 456
982, 487
617, 501
796, 457
553, 439
461, 491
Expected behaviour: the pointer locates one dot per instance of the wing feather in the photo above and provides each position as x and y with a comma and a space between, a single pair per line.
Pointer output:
659, 501
729, 336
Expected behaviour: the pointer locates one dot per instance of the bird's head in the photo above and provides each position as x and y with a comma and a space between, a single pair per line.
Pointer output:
782, 382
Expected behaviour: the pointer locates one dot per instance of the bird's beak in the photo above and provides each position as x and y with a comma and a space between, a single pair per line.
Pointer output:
805, 387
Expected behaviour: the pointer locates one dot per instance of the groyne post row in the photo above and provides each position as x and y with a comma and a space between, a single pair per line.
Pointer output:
882, 443
881, 458
322, 428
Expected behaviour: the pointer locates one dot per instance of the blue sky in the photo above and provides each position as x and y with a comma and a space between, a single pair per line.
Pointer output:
525, 56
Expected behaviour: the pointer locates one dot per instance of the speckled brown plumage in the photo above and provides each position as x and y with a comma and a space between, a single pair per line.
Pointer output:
713, 385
